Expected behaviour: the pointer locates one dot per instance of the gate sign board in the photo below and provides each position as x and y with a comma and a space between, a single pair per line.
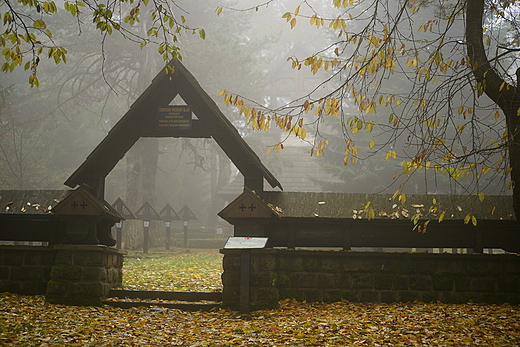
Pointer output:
174, 117
246, 242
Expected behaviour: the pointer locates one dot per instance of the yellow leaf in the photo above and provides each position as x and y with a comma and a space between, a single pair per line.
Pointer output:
474, 221
297, 10
222, 92
480, 196
371, 144
293, 22
441, 217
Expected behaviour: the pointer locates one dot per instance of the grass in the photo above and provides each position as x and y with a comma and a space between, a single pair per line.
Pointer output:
178, 270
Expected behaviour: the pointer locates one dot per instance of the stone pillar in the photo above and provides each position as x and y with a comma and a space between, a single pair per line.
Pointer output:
84, 274
263, 291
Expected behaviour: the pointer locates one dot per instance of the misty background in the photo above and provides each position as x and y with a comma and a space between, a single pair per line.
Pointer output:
46, 133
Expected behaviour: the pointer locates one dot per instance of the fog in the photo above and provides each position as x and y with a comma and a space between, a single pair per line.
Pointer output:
47, 132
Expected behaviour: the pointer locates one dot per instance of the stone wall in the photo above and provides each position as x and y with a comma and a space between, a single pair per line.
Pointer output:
66, 274
25, 269
328, 276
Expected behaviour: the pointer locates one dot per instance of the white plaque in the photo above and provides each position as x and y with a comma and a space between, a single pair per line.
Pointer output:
246, 242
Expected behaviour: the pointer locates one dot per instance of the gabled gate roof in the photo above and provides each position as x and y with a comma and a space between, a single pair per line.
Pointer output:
139, 121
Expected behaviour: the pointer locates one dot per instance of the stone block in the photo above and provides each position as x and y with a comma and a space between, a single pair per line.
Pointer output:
508, 284
351, 295
114, 277
332, 295
31, 273
401, 282
263, 279
313, 295
33, 287
56, 288
494, 298
288, 263
388, 296
429, 297
47, 258
5, 272
311, 264
10, 286
231, 262
449, 297
231, 278
512, 266
94, 274
64, 257
370, 296
86, 258
95, 289
283, 279
362, 281
32, 258
291, 293
325, 280
462, 284
332, 264
513, 298
231, 295
359, 264
408, 296
398, 266
448, 264
485, 266
305, 279
265, 294
483, 284
443, 282
383, 281
421, 282
419, 264
266, 262
342, 280
66, 273
14, 257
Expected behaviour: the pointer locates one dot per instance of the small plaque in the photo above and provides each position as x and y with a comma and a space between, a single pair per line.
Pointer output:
246, 242
178, 117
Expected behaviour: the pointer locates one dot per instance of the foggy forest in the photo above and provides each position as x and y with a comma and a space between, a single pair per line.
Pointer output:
255, 57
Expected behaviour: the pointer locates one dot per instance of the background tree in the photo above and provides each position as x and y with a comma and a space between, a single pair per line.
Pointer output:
411, 80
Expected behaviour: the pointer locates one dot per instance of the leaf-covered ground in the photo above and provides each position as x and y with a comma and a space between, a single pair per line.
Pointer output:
196, 270
30, 321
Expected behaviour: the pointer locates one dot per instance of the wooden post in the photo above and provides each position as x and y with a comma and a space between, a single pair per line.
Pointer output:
146, 236
185, 223
119, 235
245, 274
168, 238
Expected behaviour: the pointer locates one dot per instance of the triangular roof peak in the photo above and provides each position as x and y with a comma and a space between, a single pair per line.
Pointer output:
140, 121
248, 205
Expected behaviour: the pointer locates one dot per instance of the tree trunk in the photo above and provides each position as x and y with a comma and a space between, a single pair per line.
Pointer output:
507, 98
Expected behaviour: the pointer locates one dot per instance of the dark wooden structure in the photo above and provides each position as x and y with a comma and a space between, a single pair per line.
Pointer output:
25, 215
141, 121
56, 216
291, 219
